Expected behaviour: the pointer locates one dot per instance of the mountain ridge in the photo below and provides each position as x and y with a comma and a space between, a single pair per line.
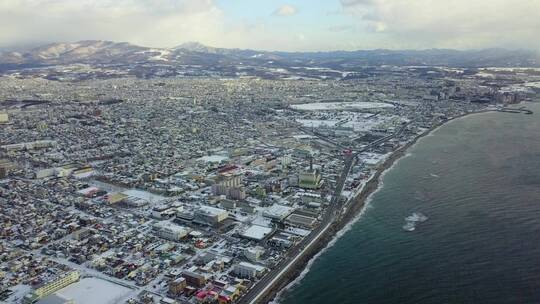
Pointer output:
195, 53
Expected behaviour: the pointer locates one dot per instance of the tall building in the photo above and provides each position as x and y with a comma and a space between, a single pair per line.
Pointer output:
230, 187
310, 179
176, 287
236, 194
194, 279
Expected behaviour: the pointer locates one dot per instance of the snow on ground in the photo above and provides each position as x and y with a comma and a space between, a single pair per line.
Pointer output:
262, 221
298, 231
317, 123
485, 75
510, 69
145, 195
213, 158
325, 106
161, 56
518, 87
94, 290
409, 103
360, 122
19, 292
303, 136
533, 84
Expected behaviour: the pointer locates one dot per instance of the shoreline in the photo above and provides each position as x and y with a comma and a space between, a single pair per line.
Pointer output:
353, 213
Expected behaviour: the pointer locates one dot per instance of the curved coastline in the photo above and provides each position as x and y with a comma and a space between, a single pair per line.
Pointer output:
354, 213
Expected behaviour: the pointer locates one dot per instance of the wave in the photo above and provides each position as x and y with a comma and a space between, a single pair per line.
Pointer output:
349, 225
367, 205
330, 244
340, 233
380, 183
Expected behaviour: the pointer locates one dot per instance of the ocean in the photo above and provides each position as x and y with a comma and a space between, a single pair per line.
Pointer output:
477, 179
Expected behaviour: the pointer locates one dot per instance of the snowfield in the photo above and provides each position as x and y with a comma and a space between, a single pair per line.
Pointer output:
330, 106
94, 290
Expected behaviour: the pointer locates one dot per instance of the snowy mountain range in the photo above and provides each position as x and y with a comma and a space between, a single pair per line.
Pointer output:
107, 52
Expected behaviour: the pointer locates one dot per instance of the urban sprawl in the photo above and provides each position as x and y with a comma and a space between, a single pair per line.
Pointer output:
201, 190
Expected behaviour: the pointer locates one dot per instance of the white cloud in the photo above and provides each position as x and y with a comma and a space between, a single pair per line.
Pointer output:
374, 24
286, 10
156, 23
148, 22
452, 24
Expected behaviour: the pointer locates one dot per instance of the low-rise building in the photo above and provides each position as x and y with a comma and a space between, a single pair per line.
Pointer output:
254, 253
278, 212
257, 232
170, 231
211, 216
248, 270
52, 286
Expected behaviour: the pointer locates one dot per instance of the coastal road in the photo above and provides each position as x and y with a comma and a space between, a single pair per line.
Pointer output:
263, 286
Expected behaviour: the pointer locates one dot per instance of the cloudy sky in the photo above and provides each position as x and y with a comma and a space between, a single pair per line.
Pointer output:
290, 25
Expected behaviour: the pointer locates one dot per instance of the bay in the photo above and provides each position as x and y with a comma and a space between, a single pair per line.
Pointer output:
478, 180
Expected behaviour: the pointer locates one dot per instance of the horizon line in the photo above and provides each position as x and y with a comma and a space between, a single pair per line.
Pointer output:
30, 46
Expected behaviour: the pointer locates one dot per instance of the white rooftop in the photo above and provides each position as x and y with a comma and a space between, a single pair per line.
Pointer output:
257, 232
171, 227
213, 158
212, 210
278, 211
253, 266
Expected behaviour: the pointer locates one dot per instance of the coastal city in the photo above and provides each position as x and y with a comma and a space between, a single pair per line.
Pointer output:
214, 189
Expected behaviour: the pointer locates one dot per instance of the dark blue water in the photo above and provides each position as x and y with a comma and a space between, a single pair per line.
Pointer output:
481, 243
